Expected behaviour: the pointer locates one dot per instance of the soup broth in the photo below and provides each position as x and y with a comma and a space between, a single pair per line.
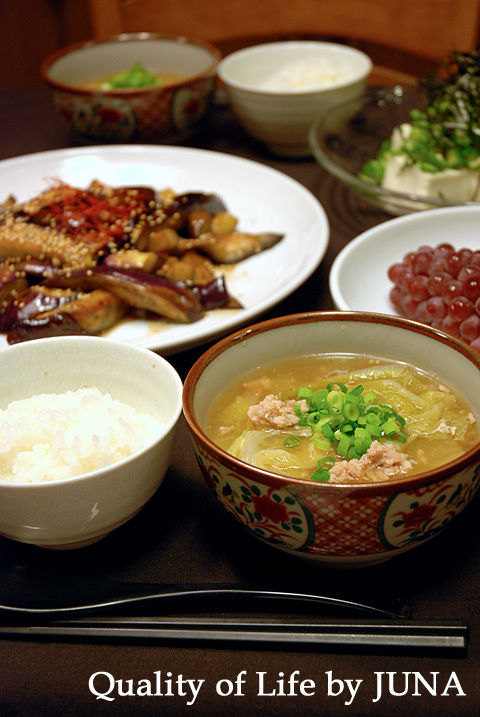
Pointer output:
438, 427
163, 79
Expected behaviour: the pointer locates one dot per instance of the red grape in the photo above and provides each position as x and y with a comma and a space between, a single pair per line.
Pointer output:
460, 308
396, 297
408, 258
451, 325
418, 288
455, 262
395, 270
437, 281
470, 328
421, 263
438, 264
466, 255
404, 278
468, 271
472, 288
425, 249
445, 249
400, 274
410, 305
475, 344
422, 313
436, 308
451, 290
440, 286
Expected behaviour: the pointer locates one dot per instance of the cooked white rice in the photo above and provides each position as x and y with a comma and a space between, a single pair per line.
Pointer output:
55, 436
309, 74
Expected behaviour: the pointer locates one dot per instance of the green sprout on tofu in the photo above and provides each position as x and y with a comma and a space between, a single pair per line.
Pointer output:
446, 134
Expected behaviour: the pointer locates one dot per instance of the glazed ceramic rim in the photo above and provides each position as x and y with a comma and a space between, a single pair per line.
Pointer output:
271, 478
128, 37
373, 191
163, 432
223, 73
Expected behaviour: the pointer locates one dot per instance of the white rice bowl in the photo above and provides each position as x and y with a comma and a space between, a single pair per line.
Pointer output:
76, 478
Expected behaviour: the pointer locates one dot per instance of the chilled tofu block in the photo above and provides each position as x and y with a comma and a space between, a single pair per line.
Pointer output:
451, 184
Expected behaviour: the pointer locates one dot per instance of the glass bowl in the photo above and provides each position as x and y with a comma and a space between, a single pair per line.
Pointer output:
351, 132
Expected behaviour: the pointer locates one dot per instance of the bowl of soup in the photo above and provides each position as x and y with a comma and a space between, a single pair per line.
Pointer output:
342, 437
129, 87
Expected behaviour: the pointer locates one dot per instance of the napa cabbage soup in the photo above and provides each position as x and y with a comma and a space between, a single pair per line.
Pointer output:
342, 418
135, 77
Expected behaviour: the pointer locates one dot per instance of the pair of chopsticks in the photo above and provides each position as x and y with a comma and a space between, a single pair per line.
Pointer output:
403, 636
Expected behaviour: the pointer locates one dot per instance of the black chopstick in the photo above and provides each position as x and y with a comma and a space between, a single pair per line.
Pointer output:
405, 635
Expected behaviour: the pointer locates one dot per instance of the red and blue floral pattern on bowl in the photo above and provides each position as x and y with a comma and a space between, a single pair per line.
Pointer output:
423, 512
358, 528
151, 115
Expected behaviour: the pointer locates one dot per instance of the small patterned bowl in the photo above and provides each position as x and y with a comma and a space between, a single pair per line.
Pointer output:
145, 113
339, 525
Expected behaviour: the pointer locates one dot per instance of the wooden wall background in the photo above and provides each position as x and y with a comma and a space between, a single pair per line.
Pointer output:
32, 29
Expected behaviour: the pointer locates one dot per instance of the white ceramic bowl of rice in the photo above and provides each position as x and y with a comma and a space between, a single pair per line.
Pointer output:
87, 427
278, 89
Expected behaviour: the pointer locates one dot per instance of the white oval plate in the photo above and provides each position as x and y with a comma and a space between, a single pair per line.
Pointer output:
262, 198
358, 277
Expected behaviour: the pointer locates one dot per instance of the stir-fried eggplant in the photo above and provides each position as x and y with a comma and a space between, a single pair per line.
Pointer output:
32, 303
214, 295
138, 289
133, 259
76, 260
96, 310
232, 248
88, 313
12, 283
43, 327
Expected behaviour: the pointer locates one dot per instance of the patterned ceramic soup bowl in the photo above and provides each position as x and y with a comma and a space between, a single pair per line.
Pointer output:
141, 86
341, 524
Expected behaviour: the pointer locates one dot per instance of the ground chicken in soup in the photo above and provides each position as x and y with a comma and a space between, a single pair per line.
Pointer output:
342, 419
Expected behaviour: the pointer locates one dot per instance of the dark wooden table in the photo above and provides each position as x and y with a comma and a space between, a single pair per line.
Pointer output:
183, 536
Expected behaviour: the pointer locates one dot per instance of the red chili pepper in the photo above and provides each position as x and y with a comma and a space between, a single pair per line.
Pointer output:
82, 213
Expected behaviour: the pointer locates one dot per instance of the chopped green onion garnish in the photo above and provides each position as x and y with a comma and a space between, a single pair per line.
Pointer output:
326, 462
313, 418
390, 427
136, 76
320, 475
318, 397
345, 421
291, 442
305, 393
341, 386
327, 431
374, 429
323, 444
335, 401
351, 411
